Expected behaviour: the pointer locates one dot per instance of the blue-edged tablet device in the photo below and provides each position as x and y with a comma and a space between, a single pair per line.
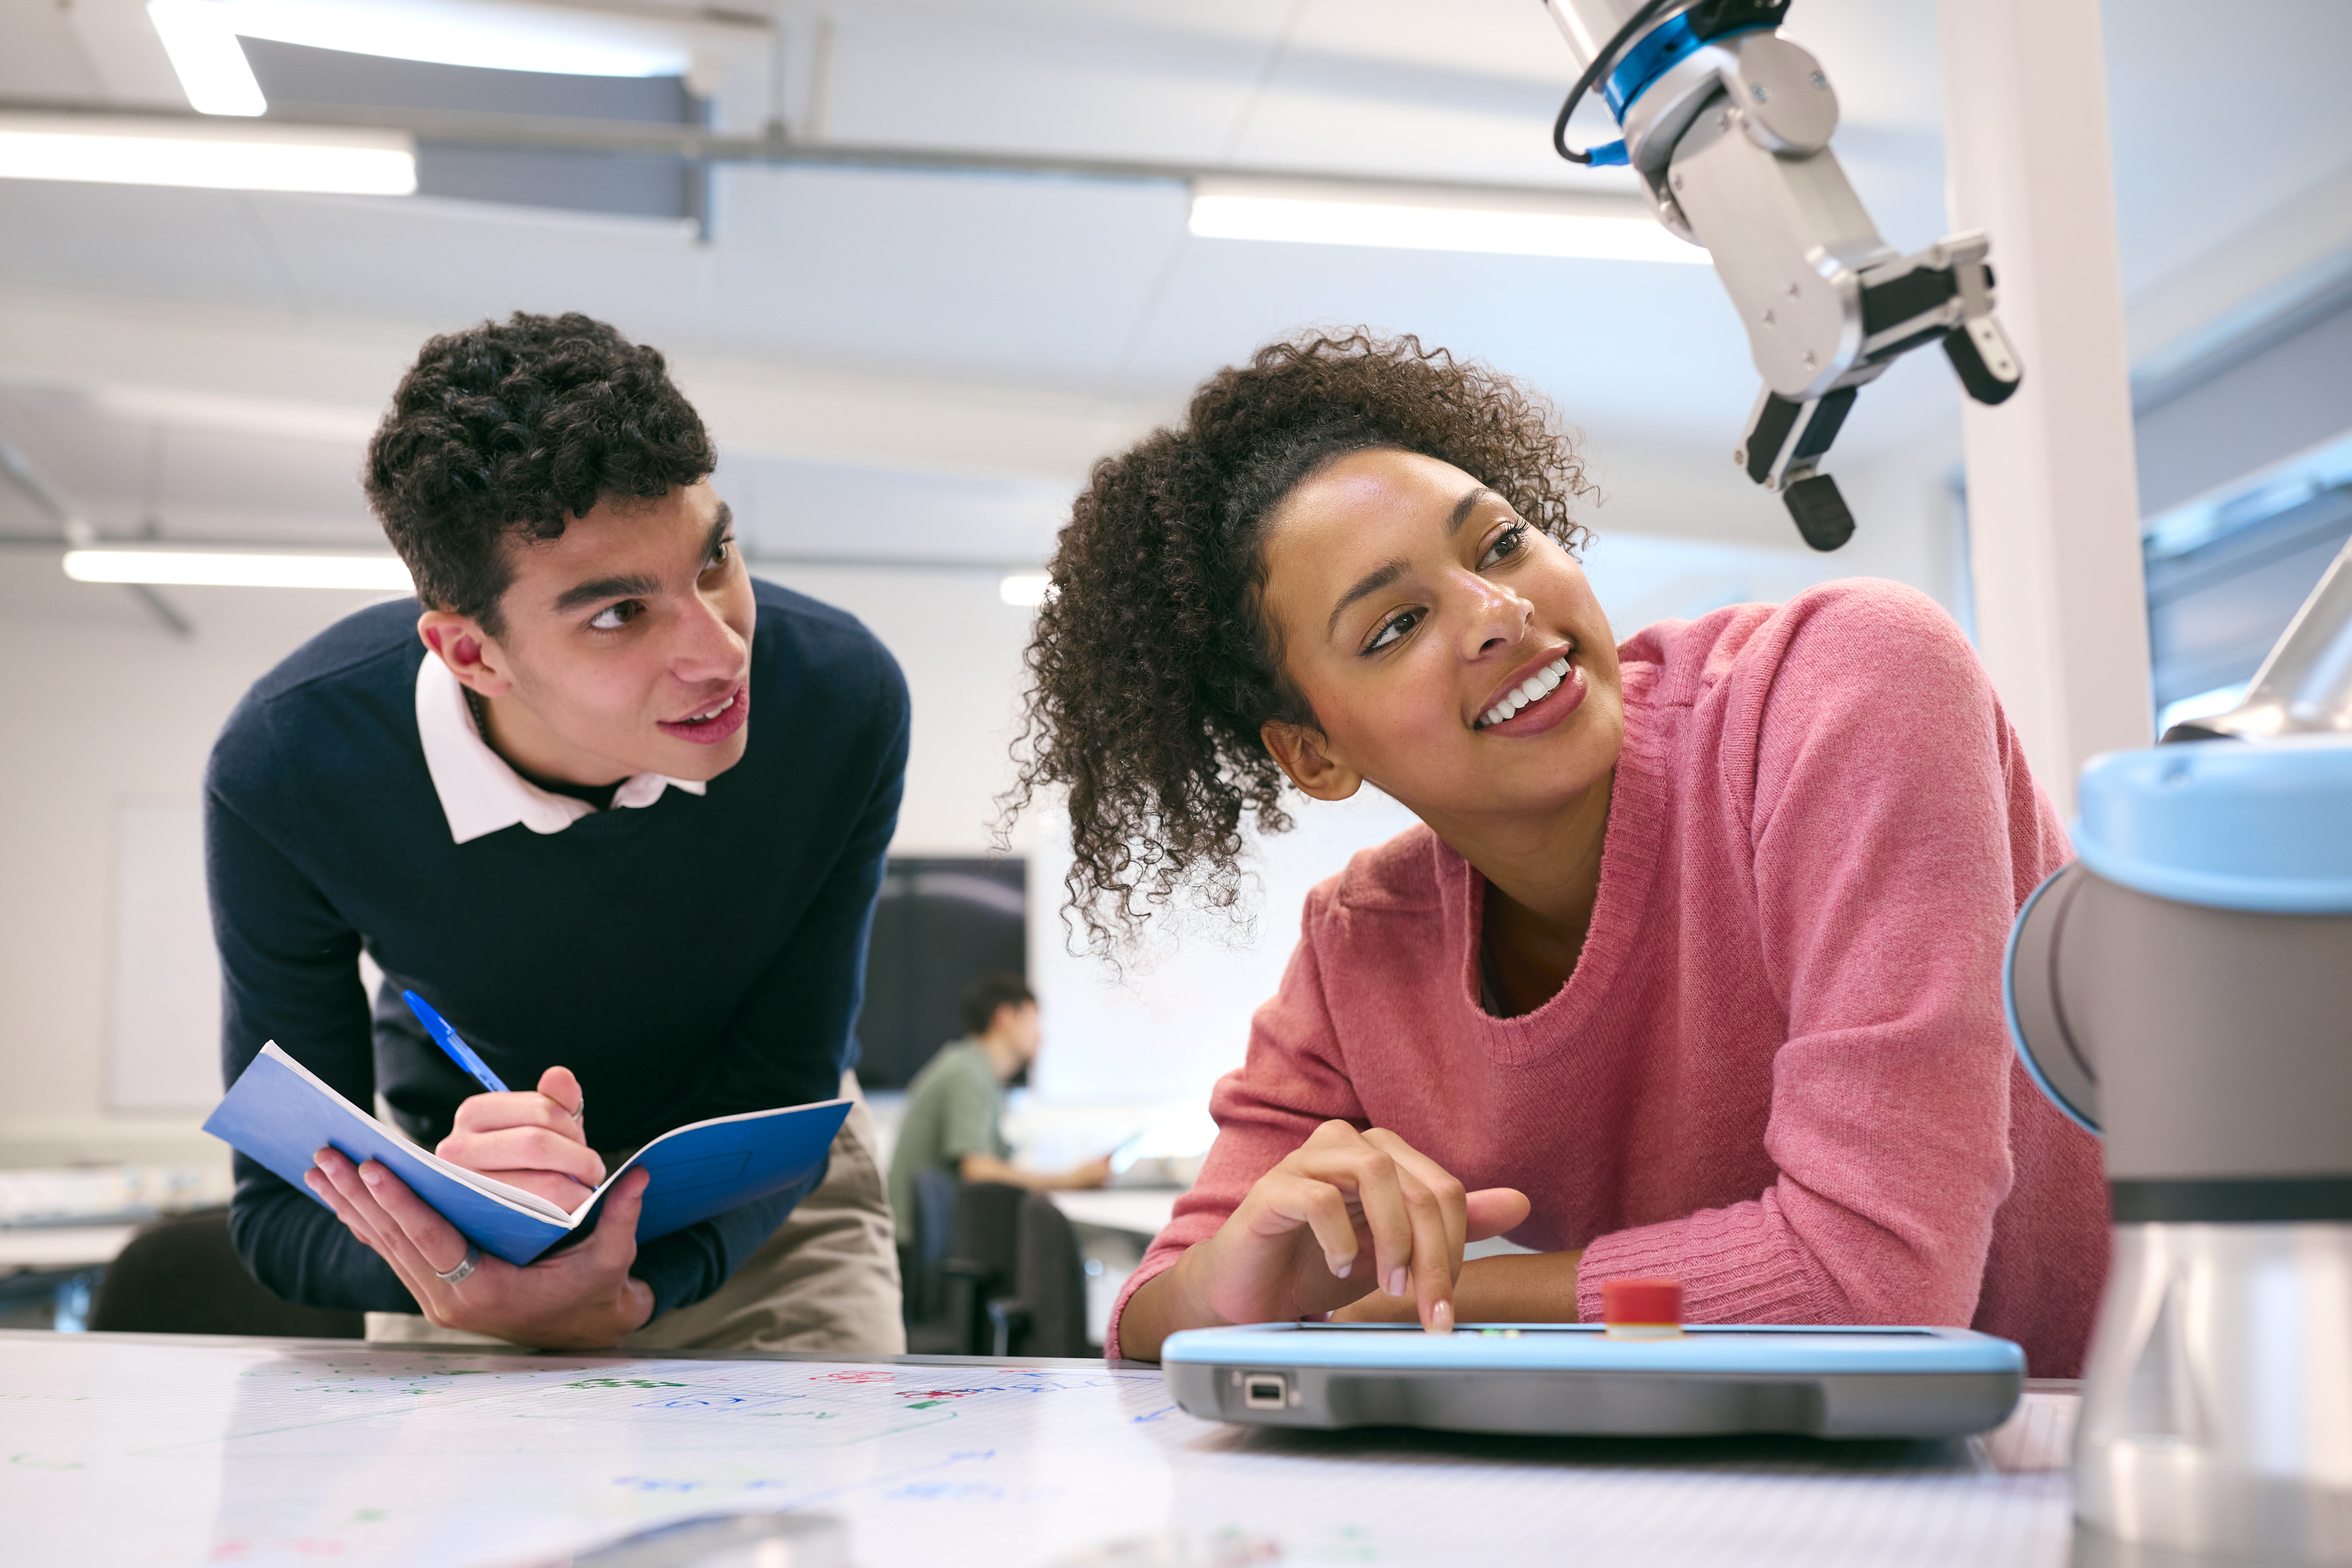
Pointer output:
1572, 1380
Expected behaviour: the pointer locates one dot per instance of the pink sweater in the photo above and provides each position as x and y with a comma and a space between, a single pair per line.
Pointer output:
1781, 1072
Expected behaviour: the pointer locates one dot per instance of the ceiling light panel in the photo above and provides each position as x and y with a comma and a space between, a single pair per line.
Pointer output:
231, 569
225, 156
1025, 590
463, 33
1598, 229
204, 55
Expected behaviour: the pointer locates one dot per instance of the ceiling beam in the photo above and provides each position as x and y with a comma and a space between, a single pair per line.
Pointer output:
75, 532
778, 149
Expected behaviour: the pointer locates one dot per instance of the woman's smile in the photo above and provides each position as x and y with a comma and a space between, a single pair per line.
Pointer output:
1530, 696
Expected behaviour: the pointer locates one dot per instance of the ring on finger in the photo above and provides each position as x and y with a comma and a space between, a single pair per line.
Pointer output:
464, 1268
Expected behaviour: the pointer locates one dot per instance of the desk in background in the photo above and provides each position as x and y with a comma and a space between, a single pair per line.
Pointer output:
1132, 1211
60, 1226
159, 1450
1115, 1227
49, 1274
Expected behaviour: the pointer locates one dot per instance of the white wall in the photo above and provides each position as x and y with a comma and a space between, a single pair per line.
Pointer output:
102, 709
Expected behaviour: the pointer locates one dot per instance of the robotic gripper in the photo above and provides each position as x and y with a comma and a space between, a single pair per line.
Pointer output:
1727, 123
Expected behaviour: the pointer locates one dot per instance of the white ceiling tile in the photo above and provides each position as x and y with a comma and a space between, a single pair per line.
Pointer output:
137, 239
40, 55
1019, 279
1125, 81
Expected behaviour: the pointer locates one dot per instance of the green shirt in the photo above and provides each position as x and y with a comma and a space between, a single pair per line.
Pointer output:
953, 1108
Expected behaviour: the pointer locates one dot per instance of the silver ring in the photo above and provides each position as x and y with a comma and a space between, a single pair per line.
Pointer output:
465, 1267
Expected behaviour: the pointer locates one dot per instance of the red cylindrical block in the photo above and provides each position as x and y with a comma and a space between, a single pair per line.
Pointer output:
1642, 1302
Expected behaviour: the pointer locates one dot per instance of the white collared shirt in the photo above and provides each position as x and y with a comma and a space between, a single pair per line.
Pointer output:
480, 792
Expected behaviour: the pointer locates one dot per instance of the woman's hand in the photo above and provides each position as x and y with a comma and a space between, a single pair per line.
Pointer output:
1345, 1213
537, 1141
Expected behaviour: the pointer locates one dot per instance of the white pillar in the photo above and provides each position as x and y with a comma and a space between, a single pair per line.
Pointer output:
2054, 505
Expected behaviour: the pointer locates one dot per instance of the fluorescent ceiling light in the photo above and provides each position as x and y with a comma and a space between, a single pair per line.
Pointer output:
1026, 589
213, 70
436, 32
227, 156
1339, 215
226, 569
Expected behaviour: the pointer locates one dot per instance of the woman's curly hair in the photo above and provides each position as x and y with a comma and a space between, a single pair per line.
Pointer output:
1151, 665
513, 427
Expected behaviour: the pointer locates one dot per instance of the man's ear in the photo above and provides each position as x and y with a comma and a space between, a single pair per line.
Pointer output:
1301, 753
472, 655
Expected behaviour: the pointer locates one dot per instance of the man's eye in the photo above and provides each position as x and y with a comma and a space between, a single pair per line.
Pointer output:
1392, 629
612, 618
720, 554
1507, 543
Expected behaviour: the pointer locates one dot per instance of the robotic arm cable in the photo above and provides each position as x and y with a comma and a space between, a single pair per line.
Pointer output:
1592, 74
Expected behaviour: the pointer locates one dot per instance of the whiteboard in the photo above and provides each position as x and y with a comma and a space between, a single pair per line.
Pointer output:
143, 1450
165, 1046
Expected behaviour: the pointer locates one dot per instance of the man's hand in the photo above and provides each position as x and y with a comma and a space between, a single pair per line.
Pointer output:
1298, 1244
1094, 1172
537, 1141
580, 1299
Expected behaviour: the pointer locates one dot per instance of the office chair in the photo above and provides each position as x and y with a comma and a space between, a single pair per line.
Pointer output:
1047, 1313
982, 1258
922, 1258
183, 1275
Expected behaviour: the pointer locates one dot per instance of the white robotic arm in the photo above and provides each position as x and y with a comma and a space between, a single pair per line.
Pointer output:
1728, 124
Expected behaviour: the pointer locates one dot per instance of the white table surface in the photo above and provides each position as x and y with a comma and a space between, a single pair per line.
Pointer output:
1139, 1211
61, 1247
164, 1450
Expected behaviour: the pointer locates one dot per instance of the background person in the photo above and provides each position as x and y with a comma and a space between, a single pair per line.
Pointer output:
955, 1106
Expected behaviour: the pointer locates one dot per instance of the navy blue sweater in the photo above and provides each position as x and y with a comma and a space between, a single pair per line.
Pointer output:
696, 957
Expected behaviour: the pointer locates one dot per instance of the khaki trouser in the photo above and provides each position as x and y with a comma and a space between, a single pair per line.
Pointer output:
825, 1281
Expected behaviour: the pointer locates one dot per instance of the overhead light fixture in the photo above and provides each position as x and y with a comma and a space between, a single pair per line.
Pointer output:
1595, 228
201, 37
1026, 589
240, 569
229, 156
213, 70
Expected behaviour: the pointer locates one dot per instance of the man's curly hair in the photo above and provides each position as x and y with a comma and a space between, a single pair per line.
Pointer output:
1151, 664
515, 427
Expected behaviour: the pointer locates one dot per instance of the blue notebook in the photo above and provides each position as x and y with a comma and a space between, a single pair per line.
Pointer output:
281, 1113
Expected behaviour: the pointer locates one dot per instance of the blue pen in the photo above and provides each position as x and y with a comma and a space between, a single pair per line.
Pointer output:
447, 1038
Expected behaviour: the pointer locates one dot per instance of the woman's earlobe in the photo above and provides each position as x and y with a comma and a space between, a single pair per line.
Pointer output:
1298, 751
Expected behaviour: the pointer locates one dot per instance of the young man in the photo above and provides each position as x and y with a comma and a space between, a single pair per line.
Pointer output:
542, 804
956, 1104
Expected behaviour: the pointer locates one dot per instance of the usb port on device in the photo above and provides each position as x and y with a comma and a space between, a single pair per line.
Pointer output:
1265, 1391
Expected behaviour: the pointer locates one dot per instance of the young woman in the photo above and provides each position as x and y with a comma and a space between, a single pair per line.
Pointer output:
1691, 969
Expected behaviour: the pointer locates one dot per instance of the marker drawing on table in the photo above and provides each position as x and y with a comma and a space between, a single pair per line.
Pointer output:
270, 1453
